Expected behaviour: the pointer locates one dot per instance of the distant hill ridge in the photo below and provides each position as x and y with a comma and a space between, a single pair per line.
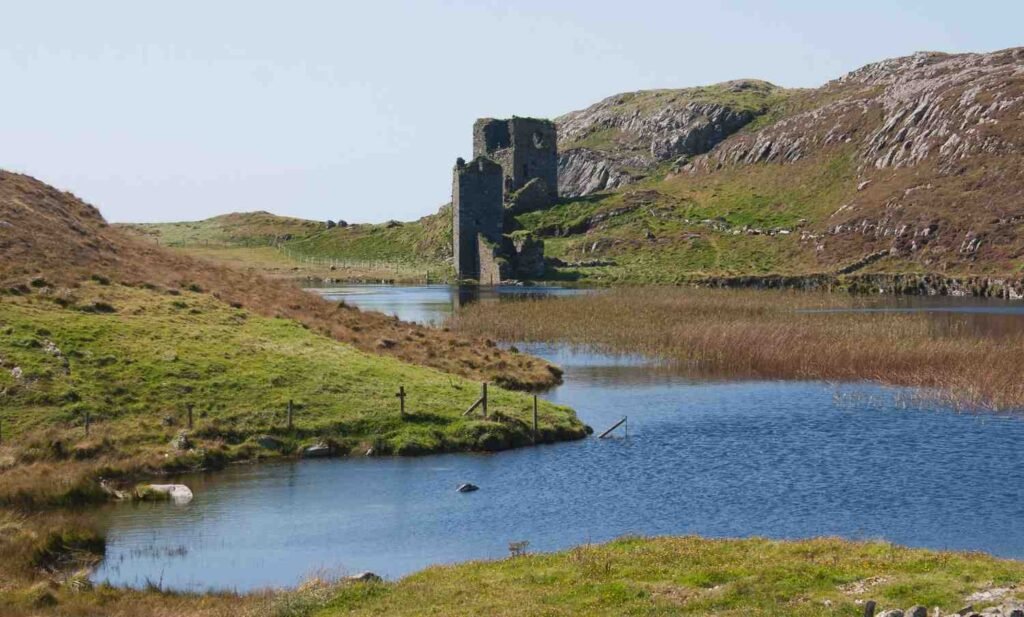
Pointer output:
907, 165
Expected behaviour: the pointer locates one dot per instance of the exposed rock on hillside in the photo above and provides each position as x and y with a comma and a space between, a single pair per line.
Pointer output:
934, 140
900, 112
621, 138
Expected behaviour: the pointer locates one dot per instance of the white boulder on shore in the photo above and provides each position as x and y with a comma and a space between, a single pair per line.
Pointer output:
179, 493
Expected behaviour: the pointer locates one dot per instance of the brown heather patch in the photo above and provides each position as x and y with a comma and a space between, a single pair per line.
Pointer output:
973, 362
55, 239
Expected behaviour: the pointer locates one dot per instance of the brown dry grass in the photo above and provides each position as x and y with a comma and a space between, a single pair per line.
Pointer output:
970, 361
58, 240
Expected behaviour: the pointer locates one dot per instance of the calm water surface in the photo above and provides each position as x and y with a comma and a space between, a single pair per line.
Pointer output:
779, 459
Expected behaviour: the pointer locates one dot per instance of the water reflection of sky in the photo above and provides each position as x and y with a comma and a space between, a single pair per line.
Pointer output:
432, 304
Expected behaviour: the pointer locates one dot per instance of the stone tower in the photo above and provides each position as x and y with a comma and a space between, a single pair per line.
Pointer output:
478, 219
526, 148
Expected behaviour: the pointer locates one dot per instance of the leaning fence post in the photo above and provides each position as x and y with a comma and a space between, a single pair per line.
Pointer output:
534, 418
483, 397
289, 414
401, 399
190, 416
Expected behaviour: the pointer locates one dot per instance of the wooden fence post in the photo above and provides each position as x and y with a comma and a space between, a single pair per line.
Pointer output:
534, 418
190, 416
483, 396
869, 608
401, 399
86, 423
289, 414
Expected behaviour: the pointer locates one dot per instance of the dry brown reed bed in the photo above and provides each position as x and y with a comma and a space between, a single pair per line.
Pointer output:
970, 361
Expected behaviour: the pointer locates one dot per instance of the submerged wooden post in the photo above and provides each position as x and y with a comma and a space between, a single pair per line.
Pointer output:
483, 397
289, 414
534, 418
615, 426
190, 416
401, 399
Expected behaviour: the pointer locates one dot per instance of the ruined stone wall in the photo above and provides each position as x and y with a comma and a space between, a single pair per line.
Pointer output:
526, 148
527, 256
494, 267
477, 210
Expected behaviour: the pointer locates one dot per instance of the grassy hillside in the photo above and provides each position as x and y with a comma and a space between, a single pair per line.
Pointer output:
52, 241
668, 229
236, 229
133, 359
285, 247
423, 245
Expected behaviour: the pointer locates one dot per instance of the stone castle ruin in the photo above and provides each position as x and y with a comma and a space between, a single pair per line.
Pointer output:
514, 170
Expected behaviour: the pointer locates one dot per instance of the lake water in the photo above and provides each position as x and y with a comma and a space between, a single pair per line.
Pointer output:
779, 459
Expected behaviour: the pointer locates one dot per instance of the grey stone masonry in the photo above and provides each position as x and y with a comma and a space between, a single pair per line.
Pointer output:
477, 210
526, 148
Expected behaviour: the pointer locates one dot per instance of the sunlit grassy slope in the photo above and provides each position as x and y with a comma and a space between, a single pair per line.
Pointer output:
133, 359
683, 576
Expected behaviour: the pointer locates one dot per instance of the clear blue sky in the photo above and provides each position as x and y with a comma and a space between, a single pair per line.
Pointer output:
357, 110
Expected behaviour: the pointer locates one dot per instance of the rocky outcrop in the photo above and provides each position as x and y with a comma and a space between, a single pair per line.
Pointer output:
582, 171
623, 137
899, 112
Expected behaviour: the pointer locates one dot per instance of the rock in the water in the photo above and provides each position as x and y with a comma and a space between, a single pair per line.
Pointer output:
364, 577
467, 488
318, 450
179, 493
